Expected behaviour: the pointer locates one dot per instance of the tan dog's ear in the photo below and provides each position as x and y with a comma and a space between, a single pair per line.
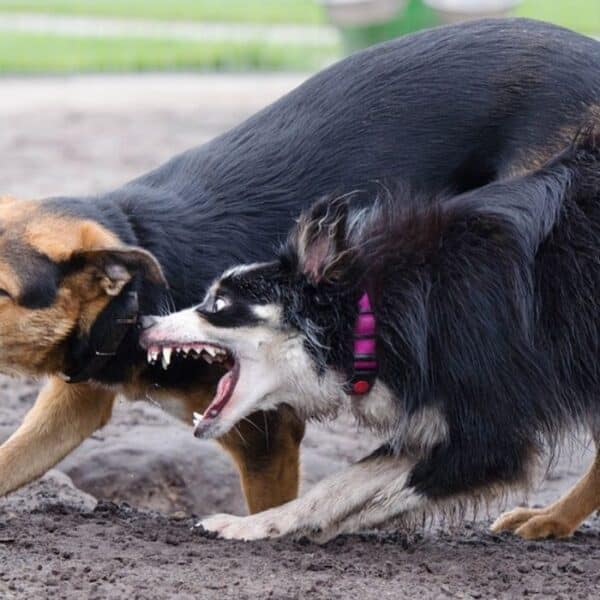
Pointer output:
118, 265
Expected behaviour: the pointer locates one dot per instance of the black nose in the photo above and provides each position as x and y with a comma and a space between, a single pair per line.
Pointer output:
147, 321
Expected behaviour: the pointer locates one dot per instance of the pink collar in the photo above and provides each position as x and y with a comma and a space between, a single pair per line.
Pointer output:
365, 359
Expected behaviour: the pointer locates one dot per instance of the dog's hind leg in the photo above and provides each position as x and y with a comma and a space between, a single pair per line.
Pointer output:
63, 416
560, 519
266, 450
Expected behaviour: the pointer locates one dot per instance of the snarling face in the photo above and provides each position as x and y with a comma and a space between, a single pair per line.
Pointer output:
57, 275
281, 331
239, 326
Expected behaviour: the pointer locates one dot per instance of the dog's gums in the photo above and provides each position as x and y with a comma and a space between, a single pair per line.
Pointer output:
212, 354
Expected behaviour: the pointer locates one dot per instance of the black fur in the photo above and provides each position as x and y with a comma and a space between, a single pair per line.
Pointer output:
486, 306
448, 109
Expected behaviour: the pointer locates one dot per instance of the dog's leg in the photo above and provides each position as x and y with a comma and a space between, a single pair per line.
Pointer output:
265, 447
560, 519
63, 416
376, 485
266, 450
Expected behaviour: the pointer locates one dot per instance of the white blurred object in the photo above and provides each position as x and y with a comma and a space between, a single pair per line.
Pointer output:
454, 11
362, 12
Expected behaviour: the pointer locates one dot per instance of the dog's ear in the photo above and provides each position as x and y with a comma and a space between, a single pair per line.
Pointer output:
117, 266
112, 264
320, 241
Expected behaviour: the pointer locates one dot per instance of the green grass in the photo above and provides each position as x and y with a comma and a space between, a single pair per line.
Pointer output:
33, 53
242, 11
580, 15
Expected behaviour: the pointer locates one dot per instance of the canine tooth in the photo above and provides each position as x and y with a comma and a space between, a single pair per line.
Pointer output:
166, 357
197, 418
212, 351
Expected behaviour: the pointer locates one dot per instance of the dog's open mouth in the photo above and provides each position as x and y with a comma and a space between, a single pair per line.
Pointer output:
210, 353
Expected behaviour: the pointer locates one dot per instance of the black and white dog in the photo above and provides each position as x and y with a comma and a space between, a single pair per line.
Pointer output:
466, 331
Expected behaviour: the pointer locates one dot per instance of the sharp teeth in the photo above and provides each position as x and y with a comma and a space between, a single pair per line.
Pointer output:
166, 357
208, 358
197, 418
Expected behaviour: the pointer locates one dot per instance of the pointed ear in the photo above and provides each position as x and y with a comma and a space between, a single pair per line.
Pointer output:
320, 240
117, 266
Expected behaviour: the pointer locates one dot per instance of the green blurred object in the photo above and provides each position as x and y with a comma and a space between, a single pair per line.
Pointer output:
48, 53
412, 18
579, 15
302, 12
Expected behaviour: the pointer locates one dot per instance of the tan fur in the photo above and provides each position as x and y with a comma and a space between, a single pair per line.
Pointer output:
59, 237
560, 519
266, 450
32, 342
269, 466
62, 417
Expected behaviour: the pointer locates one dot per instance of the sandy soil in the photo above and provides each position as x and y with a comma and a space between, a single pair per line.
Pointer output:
114, 519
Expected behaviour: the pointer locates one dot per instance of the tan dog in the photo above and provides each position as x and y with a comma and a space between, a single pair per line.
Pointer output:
58, 274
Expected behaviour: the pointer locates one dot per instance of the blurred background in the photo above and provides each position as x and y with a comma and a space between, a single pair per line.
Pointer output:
66, 36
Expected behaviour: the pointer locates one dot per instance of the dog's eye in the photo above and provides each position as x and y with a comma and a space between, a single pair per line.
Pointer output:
219, 304
4, 294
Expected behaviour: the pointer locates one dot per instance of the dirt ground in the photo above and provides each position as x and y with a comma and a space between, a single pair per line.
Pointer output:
114, 519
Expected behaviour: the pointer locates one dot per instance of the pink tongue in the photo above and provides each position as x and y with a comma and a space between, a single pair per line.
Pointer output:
221, 397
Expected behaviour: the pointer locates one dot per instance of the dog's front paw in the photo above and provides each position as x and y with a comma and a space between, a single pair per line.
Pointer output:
231, 527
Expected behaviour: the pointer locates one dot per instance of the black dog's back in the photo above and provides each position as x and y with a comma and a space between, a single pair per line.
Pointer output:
445, 109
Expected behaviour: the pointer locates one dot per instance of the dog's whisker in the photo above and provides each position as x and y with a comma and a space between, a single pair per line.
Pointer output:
247, 420
266, 422
236, 429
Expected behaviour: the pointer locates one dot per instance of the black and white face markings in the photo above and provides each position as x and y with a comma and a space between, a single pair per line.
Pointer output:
244, 296
240, 322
